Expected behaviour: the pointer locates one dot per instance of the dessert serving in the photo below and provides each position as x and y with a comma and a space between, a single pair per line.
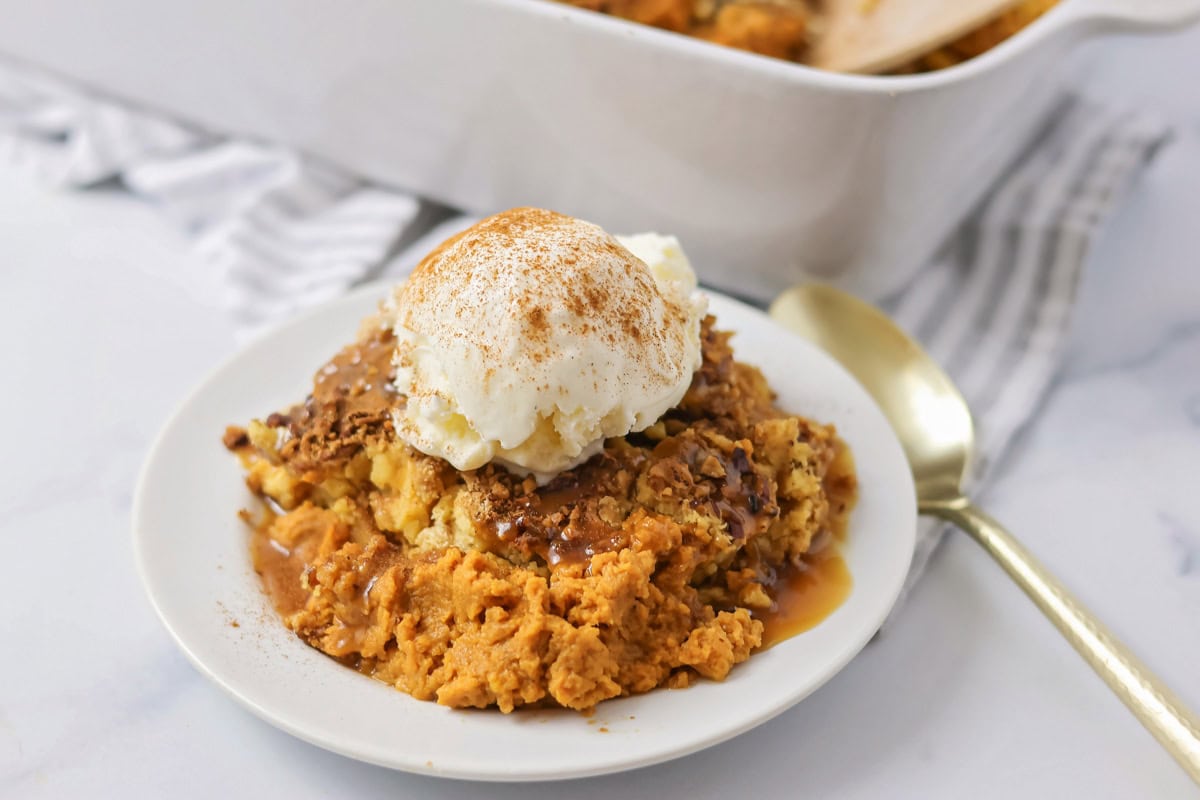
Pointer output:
539, 476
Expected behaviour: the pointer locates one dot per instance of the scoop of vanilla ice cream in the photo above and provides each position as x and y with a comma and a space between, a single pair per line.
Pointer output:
531, 337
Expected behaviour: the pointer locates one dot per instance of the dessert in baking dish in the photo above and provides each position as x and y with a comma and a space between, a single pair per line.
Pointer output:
785, 28
539, 476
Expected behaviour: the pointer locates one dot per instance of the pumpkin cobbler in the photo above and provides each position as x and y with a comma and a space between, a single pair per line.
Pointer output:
539, 476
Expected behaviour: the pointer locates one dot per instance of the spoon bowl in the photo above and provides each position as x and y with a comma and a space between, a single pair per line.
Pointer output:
933, 423
923, 405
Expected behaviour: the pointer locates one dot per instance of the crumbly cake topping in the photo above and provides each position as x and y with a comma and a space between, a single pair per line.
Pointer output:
703, 457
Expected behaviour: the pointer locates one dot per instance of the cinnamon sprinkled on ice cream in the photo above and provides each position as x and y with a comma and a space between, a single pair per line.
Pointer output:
531, 337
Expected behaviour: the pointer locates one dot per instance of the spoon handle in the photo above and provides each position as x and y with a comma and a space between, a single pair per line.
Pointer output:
1175, 727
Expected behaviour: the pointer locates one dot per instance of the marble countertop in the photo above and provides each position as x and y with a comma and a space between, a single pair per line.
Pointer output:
108, 319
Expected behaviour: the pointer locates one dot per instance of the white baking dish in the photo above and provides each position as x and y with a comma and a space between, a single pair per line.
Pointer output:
765, 169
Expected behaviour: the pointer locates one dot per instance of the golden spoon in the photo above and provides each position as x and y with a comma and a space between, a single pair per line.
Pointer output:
934, 425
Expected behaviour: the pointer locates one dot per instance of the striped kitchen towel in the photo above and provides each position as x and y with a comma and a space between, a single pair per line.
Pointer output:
994, 308
280, 231
283, 232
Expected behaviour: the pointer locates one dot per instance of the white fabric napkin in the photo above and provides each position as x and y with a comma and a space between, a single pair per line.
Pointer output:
283, 232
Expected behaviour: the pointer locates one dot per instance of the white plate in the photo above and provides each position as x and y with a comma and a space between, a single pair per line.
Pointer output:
193, 555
